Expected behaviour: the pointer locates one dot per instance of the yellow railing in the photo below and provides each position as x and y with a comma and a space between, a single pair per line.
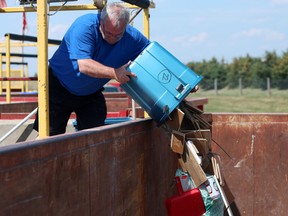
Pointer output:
42, 6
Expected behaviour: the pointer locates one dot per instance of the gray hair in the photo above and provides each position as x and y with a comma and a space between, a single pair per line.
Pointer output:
117, 12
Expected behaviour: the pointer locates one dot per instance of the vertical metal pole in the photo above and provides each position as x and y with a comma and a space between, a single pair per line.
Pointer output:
22, 70
146, 23
43, 103
8, 83
268, 86
223, 195
146, 32
22, 75
1, 71
27, 75
240, 86
216, 86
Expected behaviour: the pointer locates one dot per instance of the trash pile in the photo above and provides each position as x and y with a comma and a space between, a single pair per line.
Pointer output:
162, 84
198, 179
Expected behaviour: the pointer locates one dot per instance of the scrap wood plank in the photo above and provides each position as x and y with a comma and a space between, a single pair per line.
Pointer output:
203, 133
191, 107
175, 119
189, 163
194, 115
201, 144
195, 171
177, 142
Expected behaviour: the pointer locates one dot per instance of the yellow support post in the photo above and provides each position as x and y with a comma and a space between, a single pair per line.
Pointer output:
146, 32
26, 82
43, 102
22, 75
8, 83
1, 73
146, 26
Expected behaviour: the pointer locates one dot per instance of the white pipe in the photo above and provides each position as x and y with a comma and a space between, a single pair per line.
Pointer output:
18, 125
226, 203
133, 109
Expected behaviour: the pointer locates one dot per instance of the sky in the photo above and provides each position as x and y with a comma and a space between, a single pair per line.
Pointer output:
192, 30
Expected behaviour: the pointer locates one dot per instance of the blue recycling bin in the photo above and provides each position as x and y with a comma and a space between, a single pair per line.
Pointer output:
162, 82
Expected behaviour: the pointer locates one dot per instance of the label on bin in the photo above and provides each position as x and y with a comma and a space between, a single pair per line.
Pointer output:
212, 188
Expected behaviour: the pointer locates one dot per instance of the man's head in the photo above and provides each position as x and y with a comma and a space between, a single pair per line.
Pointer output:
113, 21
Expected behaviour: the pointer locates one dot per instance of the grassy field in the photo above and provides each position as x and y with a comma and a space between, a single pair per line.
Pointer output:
227, 100
251, 101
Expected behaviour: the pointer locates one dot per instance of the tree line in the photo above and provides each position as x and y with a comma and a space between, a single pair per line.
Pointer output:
253, 71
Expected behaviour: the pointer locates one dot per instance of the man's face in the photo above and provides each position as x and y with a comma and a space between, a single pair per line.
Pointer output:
111, 34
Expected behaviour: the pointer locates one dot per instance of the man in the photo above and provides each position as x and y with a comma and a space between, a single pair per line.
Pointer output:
95, 49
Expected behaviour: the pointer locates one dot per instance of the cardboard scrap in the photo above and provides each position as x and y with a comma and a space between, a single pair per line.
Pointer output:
217, 171
193, 152
192, 142
177, 140
175, 119
194, 170
182, 163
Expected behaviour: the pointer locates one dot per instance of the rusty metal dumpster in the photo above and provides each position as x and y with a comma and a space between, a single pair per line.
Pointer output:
128, 168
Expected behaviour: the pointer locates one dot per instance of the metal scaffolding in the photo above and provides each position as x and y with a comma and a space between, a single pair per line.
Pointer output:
42, 38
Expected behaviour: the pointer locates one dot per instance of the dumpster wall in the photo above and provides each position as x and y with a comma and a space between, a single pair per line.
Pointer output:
123, 169
128, 169
257, 172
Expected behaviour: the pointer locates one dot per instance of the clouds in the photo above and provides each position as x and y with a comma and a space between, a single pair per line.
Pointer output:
193, 30
57, 31
192, 39
280, 1
258, 33
200, 37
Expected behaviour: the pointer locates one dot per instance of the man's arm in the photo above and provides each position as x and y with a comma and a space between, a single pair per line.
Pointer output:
95, 69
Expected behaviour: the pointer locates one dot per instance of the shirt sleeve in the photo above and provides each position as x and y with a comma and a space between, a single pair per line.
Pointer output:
82, 41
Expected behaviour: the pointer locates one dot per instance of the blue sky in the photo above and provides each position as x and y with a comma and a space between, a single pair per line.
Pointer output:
191, 30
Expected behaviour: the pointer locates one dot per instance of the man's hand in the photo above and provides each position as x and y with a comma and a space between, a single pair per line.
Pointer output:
122, 75
195, 89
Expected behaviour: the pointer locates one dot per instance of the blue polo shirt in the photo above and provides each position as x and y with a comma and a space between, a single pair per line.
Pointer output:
84, 40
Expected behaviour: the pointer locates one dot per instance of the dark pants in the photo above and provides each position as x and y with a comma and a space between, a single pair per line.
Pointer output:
90, 110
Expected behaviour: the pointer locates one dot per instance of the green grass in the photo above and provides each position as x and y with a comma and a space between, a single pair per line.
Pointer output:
251, 101
227, 100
